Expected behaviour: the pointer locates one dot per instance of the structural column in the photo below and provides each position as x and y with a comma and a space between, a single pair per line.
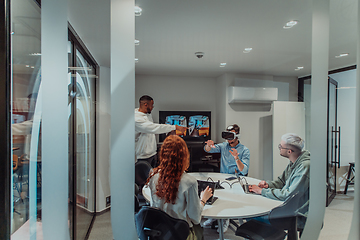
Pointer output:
319, 83
122, 72
53, 101
354, 230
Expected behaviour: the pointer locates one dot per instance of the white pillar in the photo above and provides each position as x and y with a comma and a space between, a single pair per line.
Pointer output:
122, 119
54, 61
354, 230
319, 86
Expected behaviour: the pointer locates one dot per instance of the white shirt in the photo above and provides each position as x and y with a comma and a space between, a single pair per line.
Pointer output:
145, 130
187, 205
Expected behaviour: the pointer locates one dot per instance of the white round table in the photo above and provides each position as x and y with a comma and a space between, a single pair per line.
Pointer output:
232, 201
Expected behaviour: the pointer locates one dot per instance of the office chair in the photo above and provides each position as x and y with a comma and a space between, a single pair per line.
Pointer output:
283, 217
154, 224
137, 202
16, 181
142, 172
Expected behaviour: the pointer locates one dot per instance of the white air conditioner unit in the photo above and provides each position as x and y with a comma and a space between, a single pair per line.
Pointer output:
252, 95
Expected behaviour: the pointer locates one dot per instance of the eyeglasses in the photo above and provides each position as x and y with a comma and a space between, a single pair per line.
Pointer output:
281, 147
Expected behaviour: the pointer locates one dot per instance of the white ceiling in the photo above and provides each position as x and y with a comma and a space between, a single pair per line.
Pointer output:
171, 31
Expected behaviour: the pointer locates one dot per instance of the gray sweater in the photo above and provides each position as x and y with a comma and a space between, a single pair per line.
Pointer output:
296, 177
187, 205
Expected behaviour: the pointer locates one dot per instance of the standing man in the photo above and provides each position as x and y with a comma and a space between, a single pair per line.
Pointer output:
296, 176
235, 158
145, 130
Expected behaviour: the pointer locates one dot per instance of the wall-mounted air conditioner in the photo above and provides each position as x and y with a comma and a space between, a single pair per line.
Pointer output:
252, 95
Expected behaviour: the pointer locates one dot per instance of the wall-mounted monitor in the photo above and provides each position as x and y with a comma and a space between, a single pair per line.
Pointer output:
198, 123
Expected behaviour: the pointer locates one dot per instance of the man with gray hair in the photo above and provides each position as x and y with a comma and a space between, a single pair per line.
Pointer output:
296, 176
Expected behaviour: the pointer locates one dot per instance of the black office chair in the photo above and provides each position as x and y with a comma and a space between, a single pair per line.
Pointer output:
155, 224
142, 172
281, 218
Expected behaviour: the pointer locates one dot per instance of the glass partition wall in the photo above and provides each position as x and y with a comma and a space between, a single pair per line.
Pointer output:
26, 112
26, 118
82, 82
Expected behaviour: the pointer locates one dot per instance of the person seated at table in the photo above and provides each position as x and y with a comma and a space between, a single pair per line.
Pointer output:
173, 190
235, 158
296, 176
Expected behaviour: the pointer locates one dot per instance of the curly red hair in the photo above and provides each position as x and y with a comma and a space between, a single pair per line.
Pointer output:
174, 160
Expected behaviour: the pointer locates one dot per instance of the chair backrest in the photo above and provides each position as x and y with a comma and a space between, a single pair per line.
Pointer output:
284, 216
155, 222
142, 171
15, 162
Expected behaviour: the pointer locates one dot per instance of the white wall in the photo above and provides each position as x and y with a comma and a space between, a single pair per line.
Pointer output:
178, 94
103, 139
221, 100
288, 117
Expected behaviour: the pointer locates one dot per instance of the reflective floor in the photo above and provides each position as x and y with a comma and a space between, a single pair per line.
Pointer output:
336, 222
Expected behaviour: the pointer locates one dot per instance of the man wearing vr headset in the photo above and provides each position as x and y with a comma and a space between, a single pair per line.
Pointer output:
234, 156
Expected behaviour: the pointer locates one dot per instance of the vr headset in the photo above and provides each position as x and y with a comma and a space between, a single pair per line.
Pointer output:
228, 135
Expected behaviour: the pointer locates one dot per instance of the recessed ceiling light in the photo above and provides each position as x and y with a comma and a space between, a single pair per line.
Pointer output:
138, 11
35, 54
12, 33
342, 55
223, 64
27, 65
247, 50
299, 68
137, 42
136, 60
290, 24
32, 67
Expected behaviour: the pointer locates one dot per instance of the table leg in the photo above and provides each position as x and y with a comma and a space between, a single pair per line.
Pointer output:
221, 230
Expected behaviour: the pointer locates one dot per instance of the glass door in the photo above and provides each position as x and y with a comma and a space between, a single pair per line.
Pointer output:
82, 85
333, 141
333, 136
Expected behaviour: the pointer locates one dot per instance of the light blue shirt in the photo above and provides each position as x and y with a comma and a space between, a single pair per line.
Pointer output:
227, 162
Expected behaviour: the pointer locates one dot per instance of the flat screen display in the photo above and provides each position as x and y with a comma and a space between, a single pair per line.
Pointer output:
198, 123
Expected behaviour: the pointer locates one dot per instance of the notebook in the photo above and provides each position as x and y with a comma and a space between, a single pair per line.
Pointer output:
201, 187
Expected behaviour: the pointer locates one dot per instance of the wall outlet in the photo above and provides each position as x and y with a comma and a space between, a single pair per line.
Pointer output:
108, 201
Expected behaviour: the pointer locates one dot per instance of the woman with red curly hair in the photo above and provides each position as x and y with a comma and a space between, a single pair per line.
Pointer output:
173, 190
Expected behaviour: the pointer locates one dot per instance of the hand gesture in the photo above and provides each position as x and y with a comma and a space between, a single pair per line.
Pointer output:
181, 129
234, 152
255, 189
210, 143
263, 184
206, 194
